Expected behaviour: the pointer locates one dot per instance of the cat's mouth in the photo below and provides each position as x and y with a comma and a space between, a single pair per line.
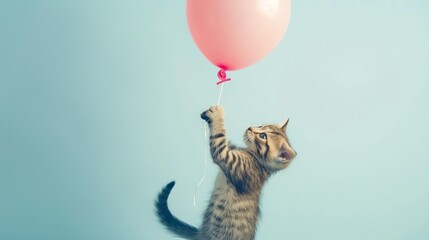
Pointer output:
283, 160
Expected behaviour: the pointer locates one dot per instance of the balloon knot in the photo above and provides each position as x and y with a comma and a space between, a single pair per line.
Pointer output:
222, 76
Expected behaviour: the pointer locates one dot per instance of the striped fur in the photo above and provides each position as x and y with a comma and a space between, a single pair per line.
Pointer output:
233, 210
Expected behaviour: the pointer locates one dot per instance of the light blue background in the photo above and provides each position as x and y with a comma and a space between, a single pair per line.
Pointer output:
100, 104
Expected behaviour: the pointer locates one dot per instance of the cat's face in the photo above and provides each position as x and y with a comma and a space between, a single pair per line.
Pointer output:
271, 144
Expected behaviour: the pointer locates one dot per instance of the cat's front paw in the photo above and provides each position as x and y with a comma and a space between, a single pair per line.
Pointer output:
215, 113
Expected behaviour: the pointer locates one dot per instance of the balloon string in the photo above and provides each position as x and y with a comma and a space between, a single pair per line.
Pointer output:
220, 94
205, 153
205, 167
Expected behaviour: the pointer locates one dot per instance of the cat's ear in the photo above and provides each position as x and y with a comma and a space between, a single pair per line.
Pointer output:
283, 125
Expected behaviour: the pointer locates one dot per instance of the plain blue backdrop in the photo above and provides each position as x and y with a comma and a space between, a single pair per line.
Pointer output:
100, 104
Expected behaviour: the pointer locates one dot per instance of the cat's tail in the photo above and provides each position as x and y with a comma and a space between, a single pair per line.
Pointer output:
172, 223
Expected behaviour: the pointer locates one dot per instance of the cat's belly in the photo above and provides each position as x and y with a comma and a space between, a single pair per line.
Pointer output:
229, 215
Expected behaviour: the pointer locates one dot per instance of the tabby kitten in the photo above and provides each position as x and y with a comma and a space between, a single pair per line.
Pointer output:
234, 205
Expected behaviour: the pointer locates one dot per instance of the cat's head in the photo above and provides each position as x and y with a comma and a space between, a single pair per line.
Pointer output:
271, 144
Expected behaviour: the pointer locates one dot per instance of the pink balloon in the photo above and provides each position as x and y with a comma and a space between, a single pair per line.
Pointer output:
234, 34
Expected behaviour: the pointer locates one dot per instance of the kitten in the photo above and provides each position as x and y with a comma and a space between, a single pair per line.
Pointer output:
234, 205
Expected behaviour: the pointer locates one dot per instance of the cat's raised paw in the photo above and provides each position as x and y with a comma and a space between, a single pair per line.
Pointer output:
213, 113
205, 117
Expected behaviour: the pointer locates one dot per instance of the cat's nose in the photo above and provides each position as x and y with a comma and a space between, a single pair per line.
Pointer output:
249, 129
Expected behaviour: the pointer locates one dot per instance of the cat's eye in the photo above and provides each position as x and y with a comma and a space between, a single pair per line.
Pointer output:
263, 136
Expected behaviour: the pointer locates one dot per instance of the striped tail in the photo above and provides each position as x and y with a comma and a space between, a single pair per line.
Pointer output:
172, 223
